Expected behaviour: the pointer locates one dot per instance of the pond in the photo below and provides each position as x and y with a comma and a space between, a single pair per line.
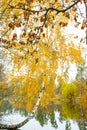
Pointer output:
56, 115
29, 103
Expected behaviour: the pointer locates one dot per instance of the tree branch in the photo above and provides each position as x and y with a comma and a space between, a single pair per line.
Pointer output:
59, 11
5, 126
62, 10
46, 10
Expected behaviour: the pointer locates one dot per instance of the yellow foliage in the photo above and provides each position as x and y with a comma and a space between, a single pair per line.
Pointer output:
36, 46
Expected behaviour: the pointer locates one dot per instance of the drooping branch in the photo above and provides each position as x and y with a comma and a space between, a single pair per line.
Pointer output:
59, 11
45, 10
48, 9
5, 126
62, 10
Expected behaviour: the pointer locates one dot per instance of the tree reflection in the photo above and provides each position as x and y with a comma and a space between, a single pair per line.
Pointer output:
82, 125
41, 104
82, 122
13, 129
68, 125
43, 117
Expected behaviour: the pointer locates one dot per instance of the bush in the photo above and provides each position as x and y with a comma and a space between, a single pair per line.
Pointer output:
69, 91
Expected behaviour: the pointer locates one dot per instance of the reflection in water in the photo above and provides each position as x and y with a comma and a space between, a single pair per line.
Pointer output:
51, 108
10, 129
57, 113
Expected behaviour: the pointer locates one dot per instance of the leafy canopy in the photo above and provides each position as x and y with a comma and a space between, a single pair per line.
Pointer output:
32, 38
